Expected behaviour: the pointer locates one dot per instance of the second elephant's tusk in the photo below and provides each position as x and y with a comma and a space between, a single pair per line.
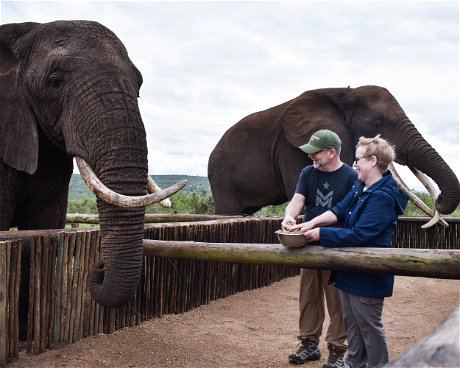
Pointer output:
433, 221
415, 200
120, 200
433, 193
153, 187
426, 183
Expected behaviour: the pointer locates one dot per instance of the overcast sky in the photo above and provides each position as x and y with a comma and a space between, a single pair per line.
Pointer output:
206, 65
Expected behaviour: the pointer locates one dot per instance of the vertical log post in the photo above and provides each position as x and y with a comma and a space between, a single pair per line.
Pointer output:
4, 339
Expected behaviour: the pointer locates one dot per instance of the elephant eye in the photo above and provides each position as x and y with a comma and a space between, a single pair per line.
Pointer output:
56, 80
377, 124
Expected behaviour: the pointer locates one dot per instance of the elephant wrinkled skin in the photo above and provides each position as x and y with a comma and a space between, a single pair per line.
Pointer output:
257, 163
68, 89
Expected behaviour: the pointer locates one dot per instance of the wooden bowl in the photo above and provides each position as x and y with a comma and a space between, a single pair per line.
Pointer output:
291, 240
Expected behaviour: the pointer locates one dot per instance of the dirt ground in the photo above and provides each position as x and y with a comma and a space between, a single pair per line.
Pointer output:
255, 328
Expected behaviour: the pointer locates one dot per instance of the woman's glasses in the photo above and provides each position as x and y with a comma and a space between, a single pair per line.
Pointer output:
357, 159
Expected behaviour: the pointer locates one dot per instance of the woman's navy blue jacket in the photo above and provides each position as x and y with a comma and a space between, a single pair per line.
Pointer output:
369, 220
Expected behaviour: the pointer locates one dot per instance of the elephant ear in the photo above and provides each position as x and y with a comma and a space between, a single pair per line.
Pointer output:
18, 127
314, 110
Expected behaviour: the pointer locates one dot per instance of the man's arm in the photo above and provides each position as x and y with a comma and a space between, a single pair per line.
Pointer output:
293, 209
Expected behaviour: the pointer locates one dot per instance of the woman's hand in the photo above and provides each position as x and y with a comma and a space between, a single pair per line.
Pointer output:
294, 228
311, 235
305, 226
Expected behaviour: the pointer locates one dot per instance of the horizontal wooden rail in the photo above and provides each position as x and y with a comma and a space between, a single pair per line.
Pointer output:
424, 219
443, 264
182, 217
78, 218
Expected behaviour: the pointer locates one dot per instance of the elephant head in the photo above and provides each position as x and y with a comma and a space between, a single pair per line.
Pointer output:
68, 89
256, 163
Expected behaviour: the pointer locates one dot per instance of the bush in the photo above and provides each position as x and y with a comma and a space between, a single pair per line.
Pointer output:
85, 205
412, 210
271, 210
201, 202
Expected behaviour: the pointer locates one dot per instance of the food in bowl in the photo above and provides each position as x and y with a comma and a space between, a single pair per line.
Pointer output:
291, 239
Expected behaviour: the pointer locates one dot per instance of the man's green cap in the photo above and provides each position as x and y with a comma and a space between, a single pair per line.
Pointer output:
322, 139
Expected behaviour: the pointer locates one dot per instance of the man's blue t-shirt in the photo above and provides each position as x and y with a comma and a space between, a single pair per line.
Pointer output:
322, 190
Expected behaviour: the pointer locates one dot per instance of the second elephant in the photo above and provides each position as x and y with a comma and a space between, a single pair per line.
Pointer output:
257, 163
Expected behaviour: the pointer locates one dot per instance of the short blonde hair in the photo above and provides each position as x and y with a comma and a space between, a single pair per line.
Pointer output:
380, 148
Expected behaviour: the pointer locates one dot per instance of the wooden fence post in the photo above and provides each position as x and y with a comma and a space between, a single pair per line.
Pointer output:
10, 274
3, 304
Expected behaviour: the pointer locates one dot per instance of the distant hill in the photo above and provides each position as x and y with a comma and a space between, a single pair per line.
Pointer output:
78, 188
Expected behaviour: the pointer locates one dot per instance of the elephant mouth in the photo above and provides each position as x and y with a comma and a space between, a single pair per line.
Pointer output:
435, 215
156, 194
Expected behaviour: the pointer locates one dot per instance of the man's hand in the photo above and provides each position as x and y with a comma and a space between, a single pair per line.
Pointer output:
288, 223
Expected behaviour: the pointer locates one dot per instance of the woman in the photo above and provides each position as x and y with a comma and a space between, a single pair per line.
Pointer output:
368, 213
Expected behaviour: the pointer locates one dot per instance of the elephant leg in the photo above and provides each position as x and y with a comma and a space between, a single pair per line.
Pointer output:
31, 216
37, 213
42, 204
8, 195
43, 213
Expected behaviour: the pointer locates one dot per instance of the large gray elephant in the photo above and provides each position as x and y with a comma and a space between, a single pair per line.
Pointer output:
257, 163
68, 89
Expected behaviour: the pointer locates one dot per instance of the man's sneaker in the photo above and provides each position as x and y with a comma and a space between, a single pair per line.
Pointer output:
308, 350
335, 358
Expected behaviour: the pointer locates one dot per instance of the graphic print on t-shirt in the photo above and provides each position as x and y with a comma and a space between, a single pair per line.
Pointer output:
324, 200
323, 189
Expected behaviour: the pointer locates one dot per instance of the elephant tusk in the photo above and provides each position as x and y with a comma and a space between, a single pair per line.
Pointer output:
120, 200
433, 193
153, 187
415, 200
426, 183
433, 221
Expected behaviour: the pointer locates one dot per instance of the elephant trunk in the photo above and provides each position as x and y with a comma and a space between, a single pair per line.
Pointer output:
120, 162
114, 280
420, 155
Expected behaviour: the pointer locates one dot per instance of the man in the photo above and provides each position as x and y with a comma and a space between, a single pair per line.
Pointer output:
320, 187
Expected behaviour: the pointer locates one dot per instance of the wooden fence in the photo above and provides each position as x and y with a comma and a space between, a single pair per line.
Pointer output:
61, 310
10, 271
